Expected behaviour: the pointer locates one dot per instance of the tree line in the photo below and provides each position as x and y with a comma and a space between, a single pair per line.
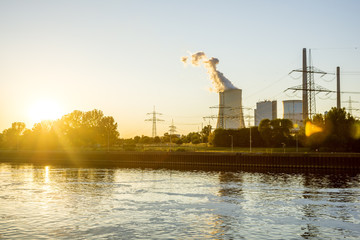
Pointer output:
192, 137
334, 131
337, 130
78, 130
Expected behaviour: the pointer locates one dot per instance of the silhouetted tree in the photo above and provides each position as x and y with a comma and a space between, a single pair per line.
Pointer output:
336, 132
265, 130
276, 132
205, 132
157, 139
12, 136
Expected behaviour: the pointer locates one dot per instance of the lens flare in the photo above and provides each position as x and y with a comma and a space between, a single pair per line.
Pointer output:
310, 129
355, 131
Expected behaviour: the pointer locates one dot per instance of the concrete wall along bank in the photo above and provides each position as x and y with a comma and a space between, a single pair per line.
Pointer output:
164, 159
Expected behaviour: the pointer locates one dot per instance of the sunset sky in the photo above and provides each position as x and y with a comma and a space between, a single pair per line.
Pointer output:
123, 57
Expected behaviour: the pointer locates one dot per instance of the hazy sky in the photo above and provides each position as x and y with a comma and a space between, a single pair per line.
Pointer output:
123, 57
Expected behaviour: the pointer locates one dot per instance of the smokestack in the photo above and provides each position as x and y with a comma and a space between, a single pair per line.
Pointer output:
304, 86
338, 105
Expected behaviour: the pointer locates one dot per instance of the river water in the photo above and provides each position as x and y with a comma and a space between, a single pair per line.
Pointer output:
47, 202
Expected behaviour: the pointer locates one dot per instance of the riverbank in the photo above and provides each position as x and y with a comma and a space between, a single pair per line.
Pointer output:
234, 160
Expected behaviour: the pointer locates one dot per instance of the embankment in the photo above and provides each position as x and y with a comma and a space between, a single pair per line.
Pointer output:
346, 161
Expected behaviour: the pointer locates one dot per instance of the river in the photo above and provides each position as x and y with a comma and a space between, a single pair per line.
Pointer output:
49, 202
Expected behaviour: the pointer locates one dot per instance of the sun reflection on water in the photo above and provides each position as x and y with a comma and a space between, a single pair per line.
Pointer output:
47, 175
95, 203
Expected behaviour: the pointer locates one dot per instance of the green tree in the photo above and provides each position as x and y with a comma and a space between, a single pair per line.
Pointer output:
193, 137
87, 129
12, 136
145, 140
43, 136
205, 132
221, 138
335, 131
281, 132
157, 139
276, 132
265, 129
137, 139
338, 126
108, 131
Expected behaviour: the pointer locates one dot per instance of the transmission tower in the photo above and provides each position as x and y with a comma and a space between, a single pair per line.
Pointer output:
249, 117
309, 88
223, 117
350, 108
172, 128
154, 119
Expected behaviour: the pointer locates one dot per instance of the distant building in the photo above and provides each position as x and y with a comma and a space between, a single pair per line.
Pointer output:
293, 111
265, 110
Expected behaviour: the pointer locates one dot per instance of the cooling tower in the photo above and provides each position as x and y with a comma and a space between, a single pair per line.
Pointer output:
230, 110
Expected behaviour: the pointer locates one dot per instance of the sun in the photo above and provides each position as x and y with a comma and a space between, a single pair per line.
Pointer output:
44, 110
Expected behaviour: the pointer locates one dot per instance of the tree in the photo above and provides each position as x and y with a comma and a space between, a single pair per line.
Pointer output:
265, 131
11, 136
136, 139
108, 131
333, 132
145, 140
192, 137
1, 140
221, 138
157, 139
87, 129
281, 132
205, 132
338, 126
275, 132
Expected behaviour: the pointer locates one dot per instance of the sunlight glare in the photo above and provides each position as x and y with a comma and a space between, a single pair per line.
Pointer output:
47, 177
44, 110
355, 131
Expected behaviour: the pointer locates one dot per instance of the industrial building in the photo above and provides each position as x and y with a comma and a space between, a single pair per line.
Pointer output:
293, 111
230, 110
265, 110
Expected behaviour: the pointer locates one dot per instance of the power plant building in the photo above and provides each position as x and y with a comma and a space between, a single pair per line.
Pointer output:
293, 111
230, 110
265, 110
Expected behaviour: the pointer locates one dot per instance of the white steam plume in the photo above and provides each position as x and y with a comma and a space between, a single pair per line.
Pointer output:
184, 59
220, 82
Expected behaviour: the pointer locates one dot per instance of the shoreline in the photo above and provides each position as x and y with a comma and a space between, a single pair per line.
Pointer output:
236, 160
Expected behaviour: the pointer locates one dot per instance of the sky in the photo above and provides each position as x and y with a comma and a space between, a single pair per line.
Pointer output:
124, 57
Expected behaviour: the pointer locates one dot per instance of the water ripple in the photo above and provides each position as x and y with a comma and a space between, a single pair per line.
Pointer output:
71, 203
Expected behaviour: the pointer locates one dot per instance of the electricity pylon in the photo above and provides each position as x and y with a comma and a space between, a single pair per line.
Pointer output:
172, 130
309, 88
350, 108
154, 119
